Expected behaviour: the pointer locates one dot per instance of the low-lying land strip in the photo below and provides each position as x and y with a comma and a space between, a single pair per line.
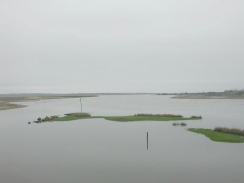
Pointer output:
6, 105
218, 136
211, 95
6, 100
137, 117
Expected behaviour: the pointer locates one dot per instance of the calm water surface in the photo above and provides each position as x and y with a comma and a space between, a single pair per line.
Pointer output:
100, 151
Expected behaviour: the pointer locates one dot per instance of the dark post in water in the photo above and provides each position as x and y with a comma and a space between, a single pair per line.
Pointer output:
147, 140
80, 106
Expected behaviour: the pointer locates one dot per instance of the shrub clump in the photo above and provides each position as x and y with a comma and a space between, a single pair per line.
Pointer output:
234, 131
183, 124
159, 115
196, 117
47, 118
177, 124
82, 115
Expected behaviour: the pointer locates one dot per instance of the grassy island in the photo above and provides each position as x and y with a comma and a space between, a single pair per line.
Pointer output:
137, 117
73, 116
218, 136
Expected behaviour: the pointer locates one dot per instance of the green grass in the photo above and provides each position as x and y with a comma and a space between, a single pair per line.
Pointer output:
71, 117
234, 131
218, 136
143, 118
66, 118
74, 116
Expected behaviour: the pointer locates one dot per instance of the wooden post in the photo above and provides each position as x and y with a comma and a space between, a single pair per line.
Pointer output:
147, 140
80, 106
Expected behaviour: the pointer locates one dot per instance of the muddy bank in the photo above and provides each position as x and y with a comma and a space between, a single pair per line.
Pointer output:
6, 106
6, 100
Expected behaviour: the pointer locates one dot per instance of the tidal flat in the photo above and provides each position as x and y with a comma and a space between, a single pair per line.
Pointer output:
6, 105
9, 101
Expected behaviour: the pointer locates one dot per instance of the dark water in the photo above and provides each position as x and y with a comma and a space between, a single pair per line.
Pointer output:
100, 151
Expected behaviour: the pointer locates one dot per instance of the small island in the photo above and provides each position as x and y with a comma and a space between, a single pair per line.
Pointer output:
219, 136
136, 117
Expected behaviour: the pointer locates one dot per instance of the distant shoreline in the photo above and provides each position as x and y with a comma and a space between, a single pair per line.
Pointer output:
205, 97
228, 94
6, 101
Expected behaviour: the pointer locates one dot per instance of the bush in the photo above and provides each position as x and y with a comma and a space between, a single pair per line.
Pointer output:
82, 115
235, 131
197, 117
159, 115
183, 124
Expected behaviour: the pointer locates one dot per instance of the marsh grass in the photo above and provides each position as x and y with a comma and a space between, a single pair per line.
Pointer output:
73, 116
159, 115
137, 117
218, 136
196, 117
234, 131
83, 115
167, 115
143, 118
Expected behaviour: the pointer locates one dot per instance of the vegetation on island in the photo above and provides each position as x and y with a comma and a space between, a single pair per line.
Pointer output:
73, 116
234, 131
46, 119
159, 115
149, 117
136, 117
218, 136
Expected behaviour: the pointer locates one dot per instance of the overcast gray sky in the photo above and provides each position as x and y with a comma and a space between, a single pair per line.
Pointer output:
60, 46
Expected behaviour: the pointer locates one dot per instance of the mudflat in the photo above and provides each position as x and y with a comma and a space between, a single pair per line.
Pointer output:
6, 101
6, 105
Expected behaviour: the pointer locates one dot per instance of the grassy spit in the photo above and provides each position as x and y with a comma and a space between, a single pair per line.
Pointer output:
218, 136
137, 117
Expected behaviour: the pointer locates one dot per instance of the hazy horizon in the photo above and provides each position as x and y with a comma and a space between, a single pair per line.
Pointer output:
115, 93
120, 46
